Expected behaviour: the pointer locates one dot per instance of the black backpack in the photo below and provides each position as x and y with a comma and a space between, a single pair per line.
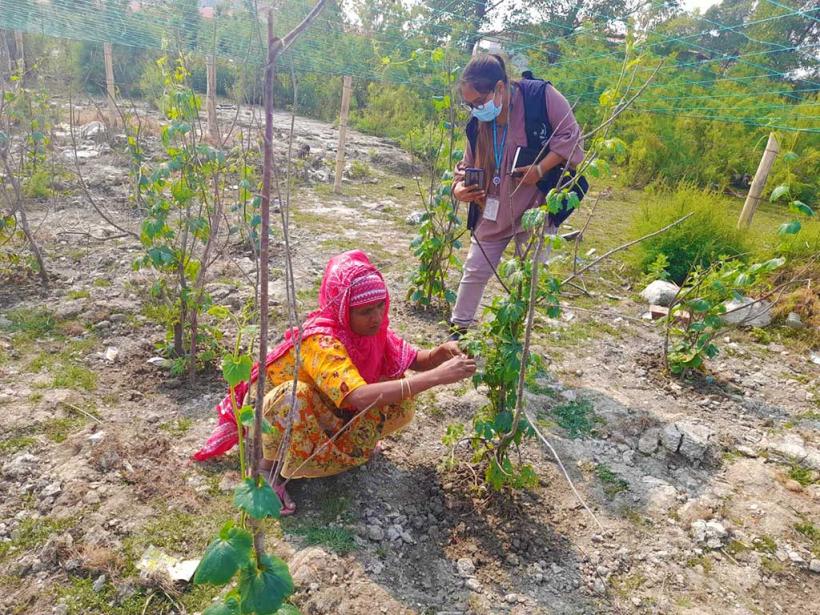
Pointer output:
538, 130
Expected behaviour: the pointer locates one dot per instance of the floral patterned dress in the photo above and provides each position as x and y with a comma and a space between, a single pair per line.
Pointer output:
326, 376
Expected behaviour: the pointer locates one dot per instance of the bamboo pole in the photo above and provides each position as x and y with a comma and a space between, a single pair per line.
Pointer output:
213, 126
110, 85
759, 182
347, 88
21, 52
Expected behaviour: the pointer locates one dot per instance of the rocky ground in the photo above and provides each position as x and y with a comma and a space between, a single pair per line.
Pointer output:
706, 491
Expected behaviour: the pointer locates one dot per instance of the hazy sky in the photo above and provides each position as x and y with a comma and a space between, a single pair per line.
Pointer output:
699, 4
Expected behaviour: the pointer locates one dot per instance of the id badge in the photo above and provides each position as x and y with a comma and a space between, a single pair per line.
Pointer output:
491, 208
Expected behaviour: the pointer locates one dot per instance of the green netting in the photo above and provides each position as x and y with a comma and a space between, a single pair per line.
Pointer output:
234, 33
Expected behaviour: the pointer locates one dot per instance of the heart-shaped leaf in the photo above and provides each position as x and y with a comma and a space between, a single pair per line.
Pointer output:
778, 192
257, 499
229, 607
236, 369
264, 588
801, 207
246, 416
223, 557
789, 228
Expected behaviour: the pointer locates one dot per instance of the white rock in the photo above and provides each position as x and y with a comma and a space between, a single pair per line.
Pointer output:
53, 489
696, 440
465, 566
473, 585
99, 583
111, 354
649, 441
793, 320
414, 218
92, 130
814, 565
375, 533
159, 362
748, 313
660, 292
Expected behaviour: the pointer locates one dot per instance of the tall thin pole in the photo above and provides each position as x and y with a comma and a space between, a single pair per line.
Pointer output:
213, 126
267, 168
110, 86
759, 182
347, 89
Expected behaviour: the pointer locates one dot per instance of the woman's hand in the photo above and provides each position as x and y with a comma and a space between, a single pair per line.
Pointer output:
467, 194
529, 174
448, 350
455, 369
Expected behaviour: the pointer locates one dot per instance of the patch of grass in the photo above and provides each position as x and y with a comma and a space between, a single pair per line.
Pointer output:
9, 446
101, 283
736, 547
702, 560
812, 532
80, 599
32, 533
764, 544
576, 417
611, 482
177, 427
334, 538
626, 585
772, 565
802, 475
58, 429
633, 516
76, 377
34, 324
78, 294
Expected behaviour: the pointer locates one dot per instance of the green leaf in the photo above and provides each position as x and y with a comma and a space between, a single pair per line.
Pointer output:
236, 369
778, 192
219, 311
789, 228
229, 607
257, 499
265, 588
288, 609
246, 416
790, 157
801, 207
699, 305
223, 557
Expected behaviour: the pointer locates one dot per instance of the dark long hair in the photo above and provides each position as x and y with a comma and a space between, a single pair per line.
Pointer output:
482, 73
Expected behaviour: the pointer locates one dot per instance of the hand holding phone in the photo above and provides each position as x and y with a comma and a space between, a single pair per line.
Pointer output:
471, 190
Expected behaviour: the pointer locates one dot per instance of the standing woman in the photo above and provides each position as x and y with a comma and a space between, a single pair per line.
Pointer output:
499, 126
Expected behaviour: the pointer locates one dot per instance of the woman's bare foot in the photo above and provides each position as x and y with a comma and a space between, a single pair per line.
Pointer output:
288, 505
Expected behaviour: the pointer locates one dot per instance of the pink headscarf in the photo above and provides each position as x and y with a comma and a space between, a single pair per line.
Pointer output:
350, 280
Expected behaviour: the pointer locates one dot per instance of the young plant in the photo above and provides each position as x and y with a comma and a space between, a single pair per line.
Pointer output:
438, 240
264, 582
798, 208
184, 201
696, 316
25, 137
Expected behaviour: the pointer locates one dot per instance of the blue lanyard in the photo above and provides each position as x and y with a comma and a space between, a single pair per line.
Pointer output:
498, 152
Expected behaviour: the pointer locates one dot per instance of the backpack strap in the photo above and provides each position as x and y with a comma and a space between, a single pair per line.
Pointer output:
536, 122
472, 133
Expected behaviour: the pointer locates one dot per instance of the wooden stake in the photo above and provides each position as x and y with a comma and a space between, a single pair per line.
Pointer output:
110, 86
213, 126
347, 89
759, 182
21, 52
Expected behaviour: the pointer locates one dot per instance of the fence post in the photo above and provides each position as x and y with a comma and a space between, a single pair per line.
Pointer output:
213, 126
759, 182
21, 52
110, 86
347, 88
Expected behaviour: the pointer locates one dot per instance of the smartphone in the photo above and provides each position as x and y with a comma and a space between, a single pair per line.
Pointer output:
473, 176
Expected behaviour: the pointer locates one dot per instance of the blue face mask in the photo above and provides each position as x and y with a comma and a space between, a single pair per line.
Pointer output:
488, 111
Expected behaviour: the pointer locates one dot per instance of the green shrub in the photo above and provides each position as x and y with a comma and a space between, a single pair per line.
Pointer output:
391, 111
706, 236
